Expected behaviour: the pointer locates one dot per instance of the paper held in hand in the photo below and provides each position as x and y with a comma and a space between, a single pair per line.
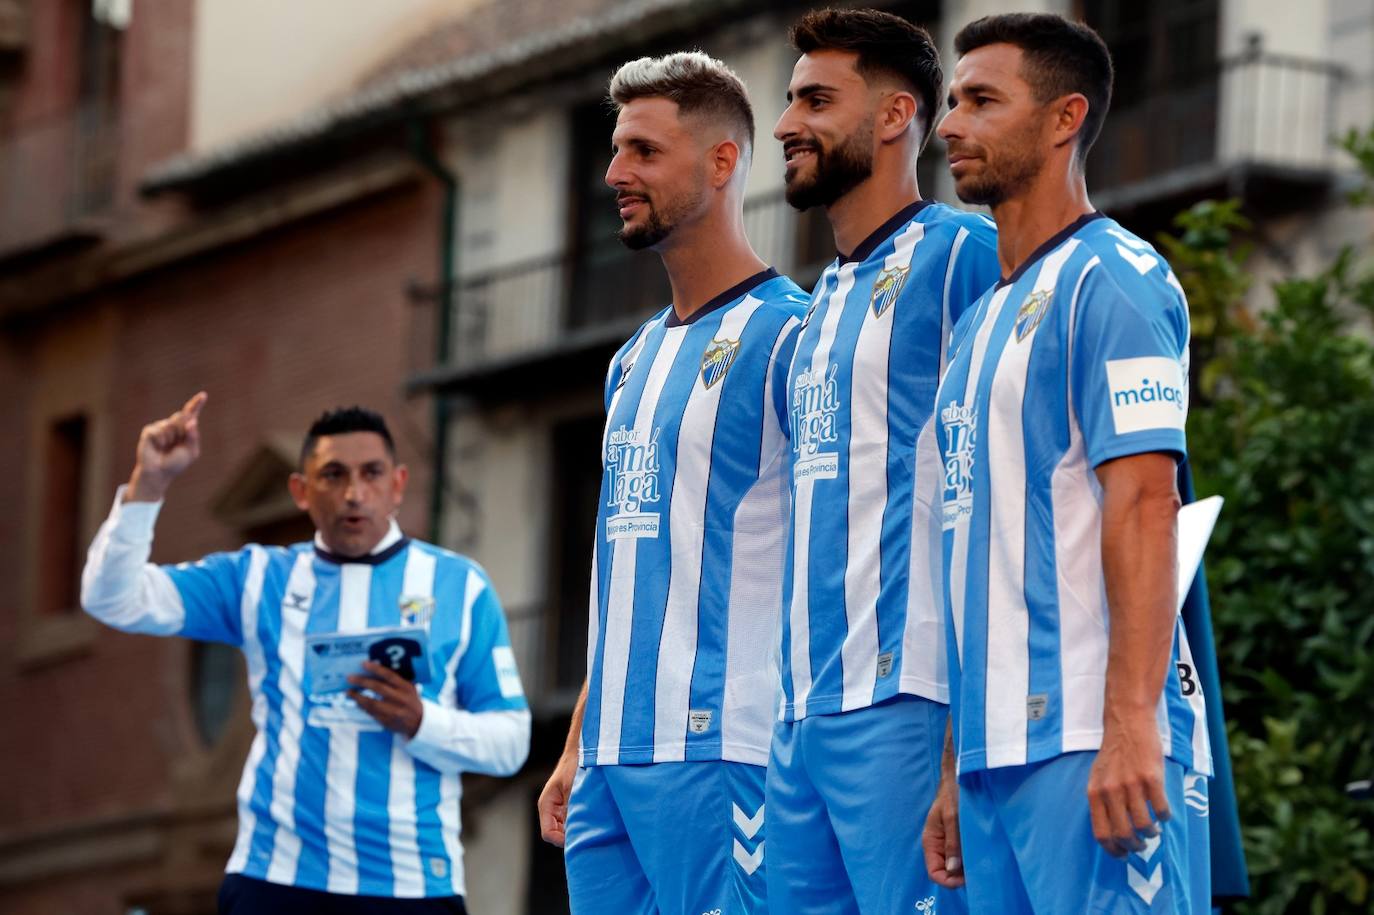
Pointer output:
331, 658
1195, 523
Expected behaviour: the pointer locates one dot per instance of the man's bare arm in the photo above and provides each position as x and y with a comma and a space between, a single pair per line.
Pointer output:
1139, 561
553, 800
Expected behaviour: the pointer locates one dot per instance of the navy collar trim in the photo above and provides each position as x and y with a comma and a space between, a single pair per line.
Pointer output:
725, 298
880, 234
1054, 241
372, 559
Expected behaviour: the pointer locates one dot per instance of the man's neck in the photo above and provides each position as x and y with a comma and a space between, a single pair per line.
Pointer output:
705, 260
1027, 221
859, 213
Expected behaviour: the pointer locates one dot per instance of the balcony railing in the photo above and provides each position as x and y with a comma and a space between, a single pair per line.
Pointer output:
56, 176
1253, 109
532, 306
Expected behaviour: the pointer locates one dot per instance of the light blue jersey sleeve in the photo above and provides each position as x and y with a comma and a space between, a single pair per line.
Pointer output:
211, 590
781, 367
1129, 357
975, 268
488, 680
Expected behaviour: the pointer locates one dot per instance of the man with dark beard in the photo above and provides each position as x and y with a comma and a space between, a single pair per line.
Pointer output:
855, 756
665, 814
1060, 424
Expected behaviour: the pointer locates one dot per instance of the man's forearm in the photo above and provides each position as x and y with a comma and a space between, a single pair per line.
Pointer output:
1139, 562
119, 586
574, 741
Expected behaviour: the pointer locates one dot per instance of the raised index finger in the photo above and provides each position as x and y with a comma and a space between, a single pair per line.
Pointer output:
191, 409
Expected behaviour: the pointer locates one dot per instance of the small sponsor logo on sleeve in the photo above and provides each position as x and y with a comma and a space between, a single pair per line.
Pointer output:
1149, 392
507, 676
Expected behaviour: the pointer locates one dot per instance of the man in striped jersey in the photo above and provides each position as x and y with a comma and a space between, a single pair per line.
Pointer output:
349, 800
855, 756
671, 733
1060, 421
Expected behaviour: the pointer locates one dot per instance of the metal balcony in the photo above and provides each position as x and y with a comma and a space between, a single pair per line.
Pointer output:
511, 326
1259, 125
58, 179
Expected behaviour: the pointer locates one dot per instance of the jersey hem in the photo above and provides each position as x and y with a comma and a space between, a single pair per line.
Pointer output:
834, 704
459, 886
1078, 742
749, 754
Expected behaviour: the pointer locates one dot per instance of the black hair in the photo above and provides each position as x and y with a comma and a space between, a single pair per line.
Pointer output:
1061, 57
885, 45
342, 420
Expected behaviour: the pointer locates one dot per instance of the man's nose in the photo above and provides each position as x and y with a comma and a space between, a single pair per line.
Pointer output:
784, 129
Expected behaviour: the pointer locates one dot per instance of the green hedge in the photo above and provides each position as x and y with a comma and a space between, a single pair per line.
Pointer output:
1282, 426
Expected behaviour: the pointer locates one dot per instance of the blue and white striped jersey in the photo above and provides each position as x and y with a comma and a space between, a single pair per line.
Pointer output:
863, 623
1078, 357
687, 574
328, 799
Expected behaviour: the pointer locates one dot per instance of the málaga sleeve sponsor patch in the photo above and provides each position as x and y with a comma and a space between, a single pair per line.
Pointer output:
507, 677
1148, 392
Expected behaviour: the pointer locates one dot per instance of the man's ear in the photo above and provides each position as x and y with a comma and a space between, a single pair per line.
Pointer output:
896, 113
725, 159
297, 484
1069, 114
400, 477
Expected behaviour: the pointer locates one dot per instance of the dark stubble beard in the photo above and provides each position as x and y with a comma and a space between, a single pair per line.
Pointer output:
837, 171
1021, 161
659, 225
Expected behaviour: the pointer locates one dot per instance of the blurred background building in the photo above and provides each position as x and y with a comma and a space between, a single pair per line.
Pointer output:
298, 205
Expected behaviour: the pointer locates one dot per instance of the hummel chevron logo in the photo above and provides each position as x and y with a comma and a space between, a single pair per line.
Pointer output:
1151, 846
750, 826
1145, 887
747, 862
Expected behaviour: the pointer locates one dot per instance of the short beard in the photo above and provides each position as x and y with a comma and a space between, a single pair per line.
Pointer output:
659, 225
837, 172
1000, 184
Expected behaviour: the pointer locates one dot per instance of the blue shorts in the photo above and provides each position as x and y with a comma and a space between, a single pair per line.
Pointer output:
847, 799
681, 838
1195, 799
1028, 846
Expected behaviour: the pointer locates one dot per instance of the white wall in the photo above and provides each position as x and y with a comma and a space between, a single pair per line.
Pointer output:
259, 62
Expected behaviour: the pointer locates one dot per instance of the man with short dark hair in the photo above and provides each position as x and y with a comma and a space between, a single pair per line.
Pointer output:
1060, 422
855, 756
349, 797
659, 793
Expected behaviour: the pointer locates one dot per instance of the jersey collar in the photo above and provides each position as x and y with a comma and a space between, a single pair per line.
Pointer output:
1054, 241
725, 298
880, 234
392, 542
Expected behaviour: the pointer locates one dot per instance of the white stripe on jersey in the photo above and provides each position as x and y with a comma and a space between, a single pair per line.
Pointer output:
402, 823
1078, 547
947, 325
450, 788
615, 663
257, 669
867, 464
758, 508
341, 772
687, 524
959, 549
286, 846
800, 610
1008, 637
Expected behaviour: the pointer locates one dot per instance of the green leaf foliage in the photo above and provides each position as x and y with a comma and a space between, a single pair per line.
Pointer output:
1283, 428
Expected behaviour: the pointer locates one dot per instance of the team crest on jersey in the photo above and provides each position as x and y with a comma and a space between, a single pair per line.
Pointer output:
961, 427
416, 609
632, 480
886, 289
716, 361
1032, 312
